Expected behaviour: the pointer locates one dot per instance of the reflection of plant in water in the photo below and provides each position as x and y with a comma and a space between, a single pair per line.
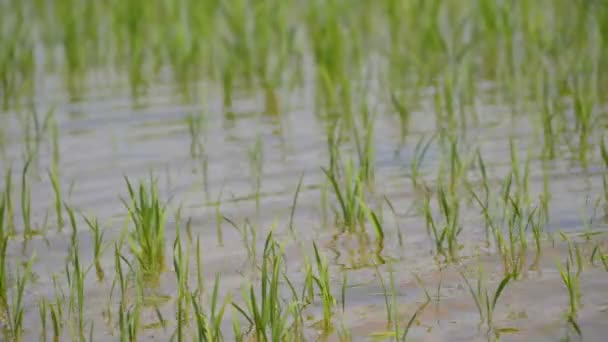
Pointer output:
353, 251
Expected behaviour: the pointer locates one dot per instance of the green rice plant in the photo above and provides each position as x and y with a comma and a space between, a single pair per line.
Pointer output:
4, 278
603, 150
199, 266
147, 239
444, 233
76, 275
294, 203
419, 154
249, 237
365, 148
485, 304
603, 257
333, 134
295, 309
350, 215
54, 136
74, 235
583, 110
415, 315
128, 315
398, 228
323, 281
513, 247
219, 218
54, 177
571, 281
56, 310
98, 246
7, 204
403, 110
208, 328
182, 273
605, 195
256, 164
537, 221
13, 331
3, 229
43, 314
549, 118
391, 309
522, 181
56, 320
26, 203
267, 318
484, 202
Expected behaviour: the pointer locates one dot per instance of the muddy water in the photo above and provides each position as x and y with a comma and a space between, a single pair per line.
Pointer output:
103, 138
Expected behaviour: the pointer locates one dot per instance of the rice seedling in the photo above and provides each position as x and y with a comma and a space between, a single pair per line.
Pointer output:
26, 203
365, 148
334, 140
603, 150
7, 204
485, 304
571, 281
76, 275
414, 316
513, 247
209, 326
15, 310
182, 273
398, 228
43, 314
98, 246
56, 310
603, 257
3, 230
419, 153
403, 111
249, 237
266, 318
294, 203
147, 239
128, 315
323, 281
444, 233
256, 164
54, 177
350, 214
4, 279
390, 306
219, 218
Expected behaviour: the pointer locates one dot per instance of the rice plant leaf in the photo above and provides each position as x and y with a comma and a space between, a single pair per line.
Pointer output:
501, 287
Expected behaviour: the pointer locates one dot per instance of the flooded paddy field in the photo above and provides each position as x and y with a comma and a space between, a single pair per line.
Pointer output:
319, 171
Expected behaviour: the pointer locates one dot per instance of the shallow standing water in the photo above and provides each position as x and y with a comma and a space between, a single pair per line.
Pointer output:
103, 138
